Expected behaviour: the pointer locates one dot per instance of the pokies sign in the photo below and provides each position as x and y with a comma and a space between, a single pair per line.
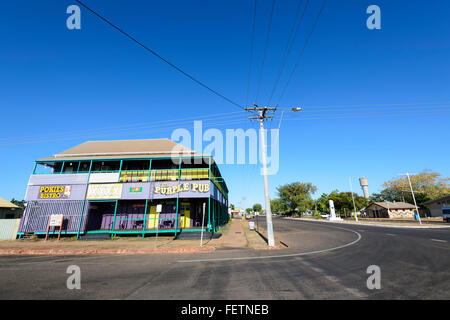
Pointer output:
165, 189
55, 192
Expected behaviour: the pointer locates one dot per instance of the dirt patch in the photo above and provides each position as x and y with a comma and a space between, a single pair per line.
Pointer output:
235, 234
119, 246
258, 239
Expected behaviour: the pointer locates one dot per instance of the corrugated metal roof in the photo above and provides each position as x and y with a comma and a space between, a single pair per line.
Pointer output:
393, 205
446, 197
6, 204
114, 149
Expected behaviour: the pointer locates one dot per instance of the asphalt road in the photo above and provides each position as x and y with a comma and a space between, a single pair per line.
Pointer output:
323, 261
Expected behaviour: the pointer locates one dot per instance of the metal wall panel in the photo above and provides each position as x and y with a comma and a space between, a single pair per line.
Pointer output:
43, 179
8, 229
37, 214
104, 177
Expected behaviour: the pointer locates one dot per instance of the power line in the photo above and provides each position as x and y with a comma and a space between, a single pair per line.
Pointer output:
290, 44
375, 110
302, 51
160, 57
310, 110
357, 115
379, 105
155, 124
218, 124
265, 50
251, 52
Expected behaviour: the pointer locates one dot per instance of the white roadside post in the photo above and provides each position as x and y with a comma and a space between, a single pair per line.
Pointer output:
332, 212
353, 198
203, 220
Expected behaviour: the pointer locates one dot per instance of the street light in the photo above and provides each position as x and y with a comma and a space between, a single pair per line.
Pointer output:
297, 109
414, 198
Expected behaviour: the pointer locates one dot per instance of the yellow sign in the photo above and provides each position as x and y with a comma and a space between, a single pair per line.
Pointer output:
54, 192
104, 191
164, 188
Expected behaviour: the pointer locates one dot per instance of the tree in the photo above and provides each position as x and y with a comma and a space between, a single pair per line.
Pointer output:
427, 185
232, 206
296, 197
257, 207
277, 206
248, 210
322, 204
343, 202
18, 203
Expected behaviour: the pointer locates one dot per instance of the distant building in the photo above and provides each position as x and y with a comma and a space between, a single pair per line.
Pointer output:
435, 206
236, 213
9, 210
390, 210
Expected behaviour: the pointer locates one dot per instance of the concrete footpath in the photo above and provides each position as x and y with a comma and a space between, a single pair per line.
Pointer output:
234, 235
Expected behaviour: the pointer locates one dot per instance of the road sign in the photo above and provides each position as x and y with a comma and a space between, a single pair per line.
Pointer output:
55, 220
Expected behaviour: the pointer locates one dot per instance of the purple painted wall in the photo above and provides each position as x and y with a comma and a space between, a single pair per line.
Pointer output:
78, 192
144, 194
182, 194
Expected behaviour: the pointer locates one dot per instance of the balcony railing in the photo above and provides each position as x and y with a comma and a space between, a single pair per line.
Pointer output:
155, 175
163, 175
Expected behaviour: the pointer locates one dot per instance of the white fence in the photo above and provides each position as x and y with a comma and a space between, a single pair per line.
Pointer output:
9, 228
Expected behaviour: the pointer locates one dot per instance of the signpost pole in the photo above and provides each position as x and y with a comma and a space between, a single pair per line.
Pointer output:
158, 210
48, 227
353, 198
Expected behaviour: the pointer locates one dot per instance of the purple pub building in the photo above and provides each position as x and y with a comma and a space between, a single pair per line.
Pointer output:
141, 187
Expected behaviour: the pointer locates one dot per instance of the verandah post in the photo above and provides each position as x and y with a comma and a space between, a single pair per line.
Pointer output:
120, 170
209, 213
178, 196
213, 216
209, 199
114, 219
149, 169
84, 201
145, 218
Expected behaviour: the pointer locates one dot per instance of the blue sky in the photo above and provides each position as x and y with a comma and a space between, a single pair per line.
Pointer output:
57, 84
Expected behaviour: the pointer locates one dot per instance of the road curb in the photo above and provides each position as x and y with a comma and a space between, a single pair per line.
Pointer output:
371, 224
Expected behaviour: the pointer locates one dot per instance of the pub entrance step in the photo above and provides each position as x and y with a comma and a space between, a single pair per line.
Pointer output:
95, 236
